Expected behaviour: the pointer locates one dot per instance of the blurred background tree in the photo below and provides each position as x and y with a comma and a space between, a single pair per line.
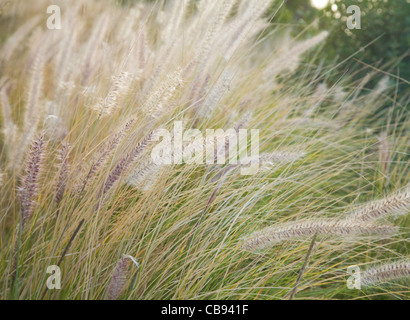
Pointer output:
383, 42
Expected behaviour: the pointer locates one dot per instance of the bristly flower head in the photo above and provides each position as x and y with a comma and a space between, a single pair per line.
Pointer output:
394, 205
64, 167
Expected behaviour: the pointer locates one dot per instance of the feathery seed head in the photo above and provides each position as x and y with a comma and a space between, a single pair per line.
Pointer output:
385, 273
305, 229
394, 205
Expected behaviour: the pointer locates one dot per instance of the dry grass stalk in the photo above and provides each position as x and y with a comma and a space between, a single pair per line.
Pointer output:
64, 169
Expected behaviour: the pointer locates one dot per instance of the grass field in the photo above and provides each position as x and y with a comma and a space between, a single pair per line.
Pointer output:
81, 107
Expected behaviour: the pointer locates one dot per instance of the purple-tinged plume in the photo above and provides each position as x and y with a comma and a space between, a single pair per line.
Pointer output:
29, 188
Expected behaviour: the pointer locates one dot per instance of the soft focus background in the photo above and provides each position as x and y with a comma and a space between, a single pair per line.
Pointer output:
80, 105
